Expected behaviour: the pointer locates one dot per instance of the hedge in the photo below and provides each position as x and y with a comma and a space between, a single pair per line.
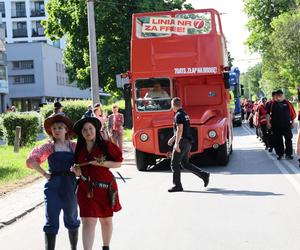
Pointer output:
29, 122
76, 109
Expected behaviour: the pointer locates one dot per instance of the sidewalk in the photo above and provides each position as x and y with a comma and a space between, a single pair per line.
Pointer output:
17, 204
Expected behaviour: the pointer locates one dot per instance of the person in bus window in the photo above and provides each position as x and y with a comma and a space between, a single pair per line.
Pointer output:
156, 92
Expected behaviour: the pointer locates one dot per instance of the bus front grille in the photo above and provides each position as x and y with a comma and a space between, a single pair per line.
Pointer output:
164, 134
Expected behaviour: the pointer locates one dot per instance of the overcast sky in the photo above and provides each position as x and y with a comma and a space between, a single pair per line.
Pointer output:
233, 23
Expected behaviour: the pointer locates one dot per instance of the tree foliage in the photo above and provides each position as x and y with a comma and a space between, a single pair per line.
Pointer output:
285, 41
261, 14
275, 32
68, 18
251, 80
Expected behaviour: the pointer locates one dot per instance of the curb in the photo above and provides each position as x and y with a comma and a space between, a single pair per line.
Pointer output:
19, 216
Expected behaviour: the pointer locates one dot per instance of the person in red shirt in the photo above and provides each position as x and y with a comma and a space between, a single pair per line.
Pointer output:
249, 110
115, 126
297, 150
262, 118
97, 189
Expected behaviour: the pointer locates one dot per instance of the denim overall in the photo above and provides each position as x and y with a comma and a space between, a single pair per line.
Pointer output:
60, 193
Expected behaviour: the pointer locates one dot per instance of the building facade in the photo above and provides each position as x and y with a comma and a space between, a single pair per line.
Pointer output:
37, 75
3, 70
35, 69
22, 21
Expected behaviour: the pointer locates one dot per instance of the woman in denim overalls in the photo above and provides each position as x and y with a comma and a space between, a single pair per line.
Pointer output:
59, 190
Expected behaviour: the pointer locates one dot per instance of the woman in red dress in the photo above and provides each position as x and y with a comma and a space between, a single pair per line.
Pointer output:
97, 190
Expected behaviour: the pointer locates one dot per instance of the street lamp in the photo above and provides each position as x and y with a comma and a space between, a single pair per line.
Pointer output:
93, 52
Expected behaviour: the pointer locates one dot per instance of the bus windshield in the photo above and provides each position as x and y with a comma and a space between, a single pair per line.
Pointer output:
153, 94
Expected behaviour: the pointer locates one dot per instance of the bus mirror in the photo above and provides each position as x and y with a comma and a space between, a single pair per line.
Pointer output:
242, 90
121, 80
226, 78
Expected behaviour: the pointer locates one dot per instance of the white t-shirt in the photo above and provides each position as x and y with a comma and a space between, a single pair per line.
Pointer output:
157, 94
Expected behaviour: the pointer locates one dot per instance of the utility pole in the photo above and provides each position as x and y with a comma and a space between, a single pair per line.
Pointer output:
93, 52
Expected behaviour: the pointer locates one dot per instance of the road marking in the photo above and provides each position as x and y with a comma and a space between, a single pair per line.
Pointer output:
283, 170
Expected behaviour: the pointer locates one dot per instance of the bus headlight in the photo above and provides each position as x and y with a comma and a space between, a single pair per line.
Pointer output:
212, 134
144, 137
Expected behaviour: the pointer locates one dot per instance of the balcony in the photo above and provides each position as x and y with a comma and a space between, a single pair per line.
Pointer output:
37, 12
38, 32
18, 13
19, 33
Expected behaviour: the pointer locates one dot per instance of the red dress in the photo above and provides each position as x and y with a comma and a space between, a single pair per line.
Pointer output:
99, 205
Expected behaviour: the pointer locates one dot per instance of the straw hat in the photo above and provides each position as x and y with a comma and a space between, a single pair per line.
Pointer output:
59, 117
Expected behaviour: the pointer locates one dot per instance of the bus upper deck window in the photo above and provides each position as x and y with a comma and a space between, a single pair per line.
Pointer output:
196, 23
148, 26
153, 94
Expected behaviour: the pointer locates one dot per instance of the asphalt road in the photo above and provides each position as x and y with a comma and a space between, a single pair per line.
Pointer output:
252, 203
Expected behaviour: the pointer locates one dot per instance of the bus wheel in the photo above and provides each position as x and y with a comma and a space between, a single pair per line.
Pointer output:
223, 153
141, 160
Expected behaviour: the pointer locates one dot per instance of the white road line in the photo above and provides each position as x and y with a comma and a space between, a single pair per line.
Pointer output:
281, 168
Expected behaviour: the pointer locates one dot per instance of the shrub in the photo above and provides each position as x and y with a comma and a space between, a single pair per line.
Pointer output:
73, 109
76, 109
29, 122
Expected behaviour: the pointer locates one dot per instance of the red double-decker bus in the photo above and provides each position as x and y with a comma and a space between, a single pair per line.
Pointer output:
179, 53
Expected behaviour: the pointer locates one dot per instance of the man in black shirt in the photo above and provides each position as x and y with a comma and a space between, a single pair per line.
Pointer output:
280, 118
182, 141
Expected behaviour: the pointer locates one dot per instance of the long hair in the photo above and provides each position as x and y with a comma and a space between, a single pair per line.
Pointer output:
99, 142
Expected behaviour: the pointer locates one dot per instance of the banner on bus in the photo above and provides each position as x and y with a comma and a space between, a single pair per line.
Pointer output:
178, 26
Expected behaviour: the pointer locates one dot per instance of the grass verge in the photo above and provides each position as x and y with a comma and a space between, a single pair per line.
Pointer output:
13, 168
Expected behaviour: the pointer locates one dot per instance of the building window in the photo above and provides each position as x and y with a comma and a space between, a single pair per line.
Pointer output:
38, 8
2, 58
4, 26
18, 9
37, 29
3, 73
23, 79
23, 64
2, 8
56, 44
19, 29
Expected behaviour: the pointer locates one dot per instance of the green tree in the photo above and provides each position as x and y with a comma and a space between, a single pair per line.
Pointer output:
271, 79
285, 43
113, 29
260, 14
251, 80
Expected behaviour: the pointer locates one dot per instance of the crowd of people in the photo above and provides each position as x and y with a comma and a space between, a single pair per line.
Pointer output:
273, 121
111, 126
